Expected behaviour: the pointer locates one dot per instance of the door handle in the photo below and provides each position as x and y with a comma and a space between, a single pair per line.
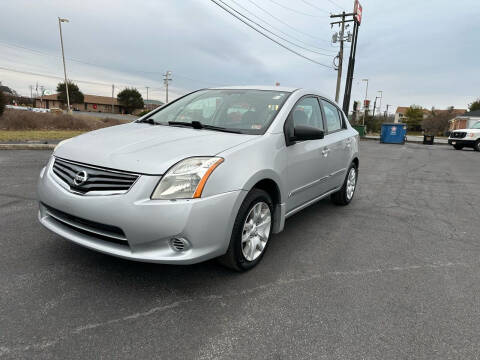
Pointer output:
325, 152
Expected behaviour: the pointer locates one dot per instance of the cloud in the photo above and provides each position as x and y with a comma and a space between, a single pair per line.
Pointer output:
416, 52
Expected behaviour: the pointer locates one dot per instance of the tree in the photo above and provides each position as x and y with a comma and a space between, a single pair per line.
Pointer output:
437, 122
414, 115
74, 93
130, 99
3, 100
475, 105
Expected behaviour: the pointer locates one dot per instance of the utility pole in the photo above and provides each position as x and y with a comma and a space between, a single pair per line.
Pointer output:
341, 38
365, 102
340, 58
31, 95
147, 92
357, 15
386, 111
375, 105
381, 96
166, 79
60, 20
113, 99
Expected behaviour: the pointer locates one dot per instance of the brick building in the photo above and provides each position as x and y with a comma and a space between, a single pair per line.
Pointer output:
91, 103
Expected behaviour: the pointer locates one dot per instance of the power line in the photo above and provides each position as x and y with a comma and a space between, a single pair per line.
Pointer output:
336, 4
270, 38
97, 65
276, 28
59, 77
271, 32
296, 11
287, 24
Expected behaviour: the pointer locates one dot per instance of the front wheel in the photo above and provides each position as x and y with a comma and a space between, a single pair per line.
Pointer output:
345, 195
251, 232
458, 147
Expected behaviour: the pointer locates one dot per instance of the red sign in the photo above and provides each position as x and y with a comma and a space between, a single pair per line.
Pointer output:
95, 106
366, 104
358, 12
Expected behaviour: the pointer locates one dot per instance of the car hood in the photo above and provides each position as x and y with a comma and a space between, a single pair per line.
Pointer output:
144, 148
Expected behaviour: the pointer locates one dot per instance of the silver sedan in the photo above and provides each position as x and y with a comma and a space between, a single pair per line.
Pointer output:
212, 174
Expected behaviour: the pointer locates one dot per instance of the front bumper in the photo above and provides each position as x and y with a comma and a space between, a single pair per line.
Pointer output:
145, 226
467, 143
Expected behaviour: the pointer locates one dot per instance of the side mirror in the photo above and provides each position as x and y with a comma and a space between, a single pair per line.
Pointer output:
302, 132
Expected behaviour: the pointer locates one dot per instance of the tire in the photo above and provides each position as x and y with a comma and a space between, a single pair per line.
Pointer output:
458, 147
476, 146
342, 196
239, 255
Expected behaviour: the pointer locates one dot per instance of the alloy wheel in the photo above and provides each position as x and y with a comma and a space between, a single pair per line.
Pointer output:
256, 231
351, 183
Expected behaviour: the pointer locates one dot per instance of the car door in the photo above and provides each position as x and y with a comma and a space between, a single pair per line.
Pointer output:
338, 143
306, 171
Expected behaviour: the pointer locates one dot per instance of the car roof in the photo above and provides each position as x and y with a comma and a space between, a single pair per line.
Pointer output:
257, 87
271, 88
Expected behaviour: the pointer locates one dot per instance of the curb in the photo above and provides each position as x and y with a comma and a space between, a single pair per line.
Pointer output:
27, 146
407, 141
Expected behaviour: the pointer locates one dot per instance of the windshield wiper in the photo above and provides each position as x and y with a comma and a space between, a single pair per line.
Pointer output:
147, 121
199, 125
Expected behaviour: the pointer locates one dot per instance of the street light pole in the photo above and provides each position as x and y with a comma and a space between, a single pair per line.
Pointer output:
60, 20
365, 102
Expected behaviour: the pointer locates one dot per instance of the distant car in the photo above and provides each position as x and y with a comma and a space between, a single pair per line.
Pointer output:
466, 138
40, 110
211, 174
56, 110
15, 107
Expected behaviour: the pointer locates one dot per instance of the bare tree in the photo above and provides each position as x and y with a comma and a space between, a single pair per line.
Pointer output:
437, 122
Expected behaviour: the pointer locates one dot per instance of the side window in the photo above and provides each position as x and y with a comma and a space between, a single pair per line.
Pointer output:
307, 112
334, 122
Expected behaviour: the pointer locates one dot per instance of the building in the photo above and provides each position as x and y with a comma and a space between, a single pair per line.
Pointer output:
465, 121
91, 103
402, 110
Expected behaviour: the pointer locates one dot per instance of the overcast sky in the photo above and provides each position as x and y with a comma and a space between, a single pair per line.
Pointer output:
418, 52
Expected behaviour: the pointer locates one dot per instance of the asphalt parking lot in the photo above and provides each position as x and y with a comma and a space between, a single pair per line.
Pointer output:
394, 275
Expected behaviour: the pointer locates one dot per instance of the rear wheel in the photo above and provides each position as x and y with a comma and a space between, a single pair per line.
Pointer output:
476, 146
345, 195
251, 232
458, 147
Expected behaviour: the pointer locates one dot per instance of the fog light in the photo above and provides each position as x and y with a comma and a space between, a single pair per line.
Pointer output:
179, 244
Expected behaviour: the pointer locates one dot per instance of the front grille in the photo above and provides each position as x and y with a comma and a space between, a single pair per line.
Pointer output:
458, 134
91, 228
84, 178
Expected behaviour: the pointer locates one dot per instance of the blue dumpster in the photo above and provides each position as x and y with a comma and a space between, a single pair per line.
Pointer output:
393, 133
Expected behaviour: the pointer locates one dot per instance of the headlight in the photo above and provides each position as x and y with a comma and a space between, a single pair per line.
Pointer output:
470, 134
186, 179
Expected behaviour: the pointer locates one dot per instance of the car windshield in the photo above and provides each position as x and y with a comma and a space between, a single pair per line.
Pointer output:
244, 111
476, 125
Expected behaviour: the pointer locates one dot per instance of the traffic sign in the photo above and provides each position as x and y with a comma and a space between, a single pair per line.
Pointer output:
358, 12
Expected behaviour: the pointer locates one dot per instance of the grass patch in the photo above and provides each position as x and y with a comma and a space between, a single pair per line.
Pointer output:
36, 135
29, 120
